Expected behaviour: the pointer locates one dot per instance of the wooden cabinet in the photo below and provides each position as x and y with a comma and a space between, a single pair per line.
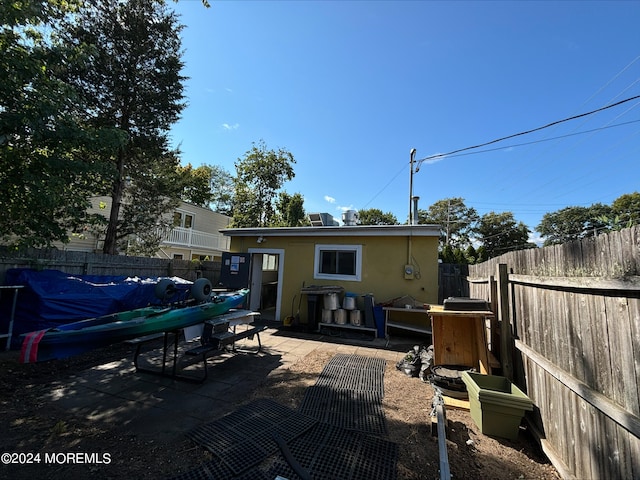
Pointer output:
459, 338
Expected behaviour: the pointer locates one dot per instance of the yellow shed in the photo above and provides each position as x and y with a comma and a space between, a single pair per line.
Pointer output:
385, 261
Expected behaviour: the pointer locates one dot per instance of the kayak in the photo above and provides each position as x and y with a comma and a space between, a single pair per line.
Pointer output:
78, 337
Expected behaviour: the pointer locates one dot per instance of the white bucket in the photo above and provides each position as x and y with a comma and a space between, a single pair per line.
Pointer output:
349, 303
340, 316
355, 318
331, 301
327, 316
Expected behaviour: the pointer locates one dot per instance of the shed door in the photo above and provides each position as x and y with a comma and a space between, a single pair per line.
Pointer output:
266, 282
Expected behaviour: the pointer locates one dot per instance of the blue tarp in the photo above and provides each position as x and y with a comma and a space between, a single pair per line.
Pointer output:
51, 298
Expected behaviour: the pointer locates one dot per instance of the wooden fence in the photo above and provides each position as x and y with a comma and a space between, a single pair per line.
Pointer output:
99, 264
452, 281
568, 327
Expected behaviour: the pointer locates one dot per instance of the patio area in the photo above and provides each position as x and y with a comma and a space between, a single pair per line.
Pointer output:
146, 423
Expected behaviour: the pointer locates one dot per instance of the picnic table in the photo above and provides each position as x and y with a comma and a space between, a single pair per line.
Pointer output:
218, 334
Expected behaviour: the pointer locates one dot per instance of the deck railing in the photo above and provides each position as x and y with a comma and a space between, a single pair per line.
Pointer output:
188, 237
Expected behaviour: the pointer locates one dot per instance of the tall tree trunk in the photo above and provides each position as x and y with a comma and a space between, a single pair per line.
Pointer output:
111, 237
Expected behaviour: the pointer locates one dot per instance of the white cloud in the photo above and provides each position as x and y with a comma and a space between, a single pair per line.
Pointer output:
229, 90
535, 237
345, 209
329, 199
226, 126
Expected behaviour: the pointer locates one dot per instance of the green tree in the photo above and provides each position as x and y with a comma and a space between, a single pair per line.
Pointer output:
290, 210
146, 218
500, 233
574, 223
471, 255
196, 184
447, 255
246, 211
260, 175
374, 216
132, 83
626, 211
47, 172
221, 185
563, 225
456, 221
595, 222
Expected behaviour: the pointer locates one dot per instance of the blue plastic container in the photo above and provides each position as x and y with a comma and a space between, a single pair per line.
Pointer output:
378, 314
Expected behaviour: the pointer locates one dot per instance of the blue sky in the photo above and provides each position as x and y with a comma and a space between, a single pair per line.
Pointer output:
350, 87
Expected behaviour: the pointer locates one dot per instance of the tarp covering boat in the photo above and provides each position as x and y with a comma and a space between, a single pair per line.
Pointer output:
52, 298
79, 337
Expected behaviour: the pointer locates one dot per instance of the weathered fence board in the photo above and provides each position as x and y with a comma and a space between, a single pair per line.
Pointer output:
452, 281
79, 263
576, 315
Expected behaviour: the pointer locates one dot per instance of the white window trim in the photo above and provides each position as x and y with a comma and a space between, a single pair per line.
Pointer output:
325, 276
183, 217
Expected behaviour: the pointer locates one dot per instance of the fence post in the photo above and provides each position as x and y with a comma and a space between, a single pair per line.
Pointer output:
506, 341
493, 331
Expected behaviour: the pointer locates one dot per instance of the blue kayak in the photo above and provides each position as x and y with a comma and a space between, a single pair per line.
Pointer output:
79, 337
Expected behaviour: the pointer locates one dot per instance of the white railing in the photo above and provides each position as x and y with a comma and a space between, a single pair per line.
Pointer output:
188, 237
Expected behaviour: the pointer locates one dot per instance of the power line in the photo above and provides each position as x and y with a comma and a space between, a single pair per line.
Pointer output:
527, 171
458, 151
392, 179
614, 78
535, 141
439, 155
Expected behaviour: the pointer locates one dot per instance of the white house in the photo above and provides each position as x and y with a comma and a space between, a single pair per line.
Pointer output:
194, 236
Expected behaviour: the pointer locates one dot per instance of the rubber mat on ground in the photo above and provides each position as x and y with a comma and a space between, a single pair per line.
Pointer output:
207, 471
336, 434
324, 452
347, 409
244, 438
327, 452
348, 394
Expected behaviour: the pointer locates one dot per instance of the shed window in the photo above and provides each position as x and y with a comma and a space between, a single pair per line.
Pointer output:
338, 262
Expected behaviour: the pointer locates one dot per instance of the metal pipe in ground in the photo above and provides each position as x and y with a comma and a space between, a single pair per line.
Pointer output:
441, 419
445, 473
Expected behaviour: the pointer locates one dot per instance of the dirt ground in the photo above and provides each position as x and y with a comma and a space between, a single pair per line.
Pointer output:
30, 425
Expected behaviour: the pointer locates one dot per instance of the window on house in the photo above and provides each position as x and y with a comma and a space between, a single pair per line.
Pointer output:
181, 219
338, 262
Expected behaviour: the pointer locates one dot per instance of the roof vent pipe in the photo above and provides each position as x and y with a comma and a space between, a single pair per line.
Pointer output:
415, 210
350, 218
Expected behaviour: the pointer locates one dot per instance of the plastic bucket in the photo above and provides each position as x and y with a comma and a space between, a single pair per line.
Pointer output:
331, 301
327, 316
349, 303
